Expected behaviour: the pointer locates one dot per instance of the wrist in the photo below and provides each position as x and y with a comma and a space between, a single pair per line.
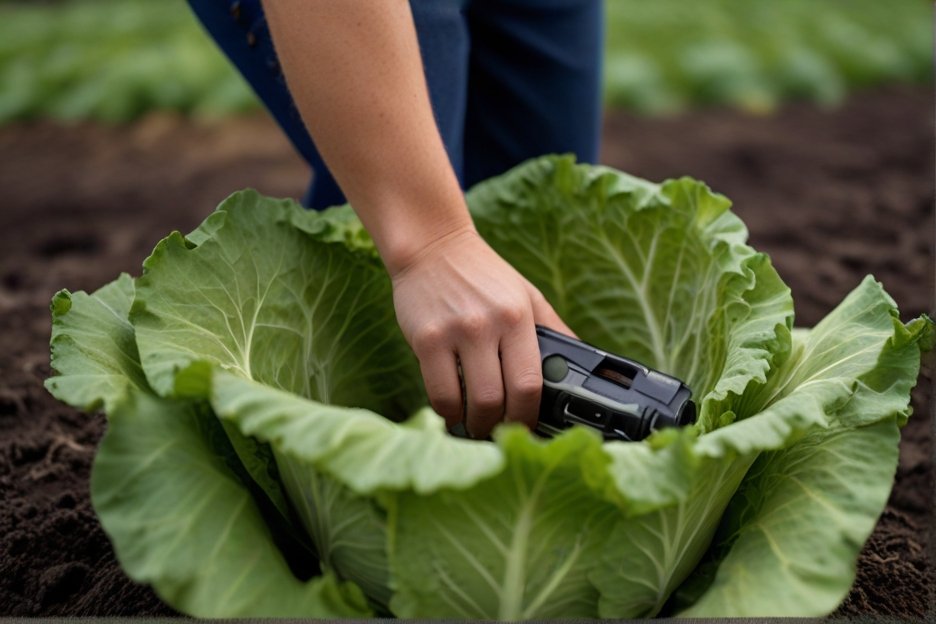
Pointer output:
408, 245
406, 219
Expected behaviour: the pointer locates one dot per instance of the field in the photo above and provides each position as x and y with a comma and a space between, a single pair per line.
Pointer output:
121, 122
830, 195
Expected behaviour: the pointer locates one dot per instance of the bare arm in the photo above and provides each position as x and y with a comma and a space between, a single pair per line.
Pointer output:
354, 70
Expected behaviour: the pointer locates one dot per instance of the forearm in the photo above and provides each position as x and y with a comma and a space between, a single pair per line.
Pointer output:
354, 70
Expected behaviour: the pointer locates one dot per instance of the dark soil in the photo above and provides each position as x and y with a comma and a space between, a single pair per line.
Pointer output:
830, 195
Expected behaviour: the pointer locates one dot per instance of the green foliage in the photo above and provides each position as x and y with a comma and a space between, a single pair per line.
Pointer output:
668, 55
114, 60
279, 404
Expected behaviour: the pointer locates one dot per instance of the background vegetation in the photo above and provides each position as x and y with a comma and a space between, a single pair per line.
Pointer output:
113, 60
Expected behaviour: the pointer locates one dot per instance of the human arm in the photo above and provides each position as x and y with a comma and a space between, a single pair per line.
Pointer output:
355, 73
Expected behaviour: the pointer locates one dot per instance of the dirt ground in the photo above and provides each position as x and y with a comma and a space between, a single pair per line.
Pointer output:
830, 195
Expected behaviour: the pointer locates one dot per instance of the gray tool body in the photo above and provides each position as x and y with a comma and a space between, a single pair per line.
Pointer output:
621, 398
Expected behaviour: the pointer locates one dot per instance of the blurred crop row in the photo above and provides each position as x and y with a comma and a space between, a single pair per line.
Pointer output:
113, 60
666, 55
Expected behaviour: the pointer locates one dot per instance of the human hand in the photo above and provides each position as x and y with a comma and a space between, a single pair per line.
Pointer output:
457, 301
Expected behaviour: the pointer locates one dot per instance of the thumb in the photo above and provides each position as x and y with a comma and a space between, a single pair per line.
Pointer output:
543, 313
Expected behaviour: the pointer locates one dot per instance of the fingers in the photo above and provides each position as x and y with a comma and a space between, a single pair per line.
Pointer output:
484, 386
498, 354
543, 313
523, 375
440, 375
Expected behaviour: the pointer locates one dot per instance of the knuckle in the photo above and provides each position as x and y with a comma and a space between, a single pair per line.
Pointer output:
472, 325
528, 384
512, 315
486, 402
429, 337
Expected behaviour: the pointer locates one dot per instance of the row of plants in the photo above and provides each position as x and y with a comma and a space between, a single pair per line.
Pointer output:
113, 61
667, 55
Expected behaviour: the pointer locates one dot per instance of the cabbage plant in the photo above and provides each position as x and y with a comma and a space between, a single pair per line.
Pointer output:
270, 450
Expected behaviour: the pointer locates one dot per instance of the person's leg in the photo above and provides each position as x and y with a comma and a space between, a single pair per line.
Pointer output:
240, 30
444, 45
534, 82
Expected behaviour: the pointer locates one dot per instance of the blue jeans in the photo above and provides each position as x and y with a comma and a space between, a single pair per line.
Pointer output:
508, 79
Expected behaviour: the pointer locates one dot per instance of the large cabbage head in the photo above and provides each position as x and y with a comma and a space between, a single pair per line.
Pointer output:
270, 451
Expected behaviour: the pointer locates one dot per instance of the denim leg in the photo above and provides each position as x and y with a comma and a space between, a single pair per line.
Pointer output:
240, 30
534, 82
444, 47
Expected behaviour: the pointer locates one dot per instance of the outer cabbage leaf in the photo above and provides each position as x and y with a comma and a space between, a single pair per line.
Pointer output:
333, 458
860, 356
805, 509
650, 554
658, 473
272, 294
351, 536
855, 367
181, 520
518, 545
794, 530
93, 347
364, 450
270, 291
95, 353
168, 487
